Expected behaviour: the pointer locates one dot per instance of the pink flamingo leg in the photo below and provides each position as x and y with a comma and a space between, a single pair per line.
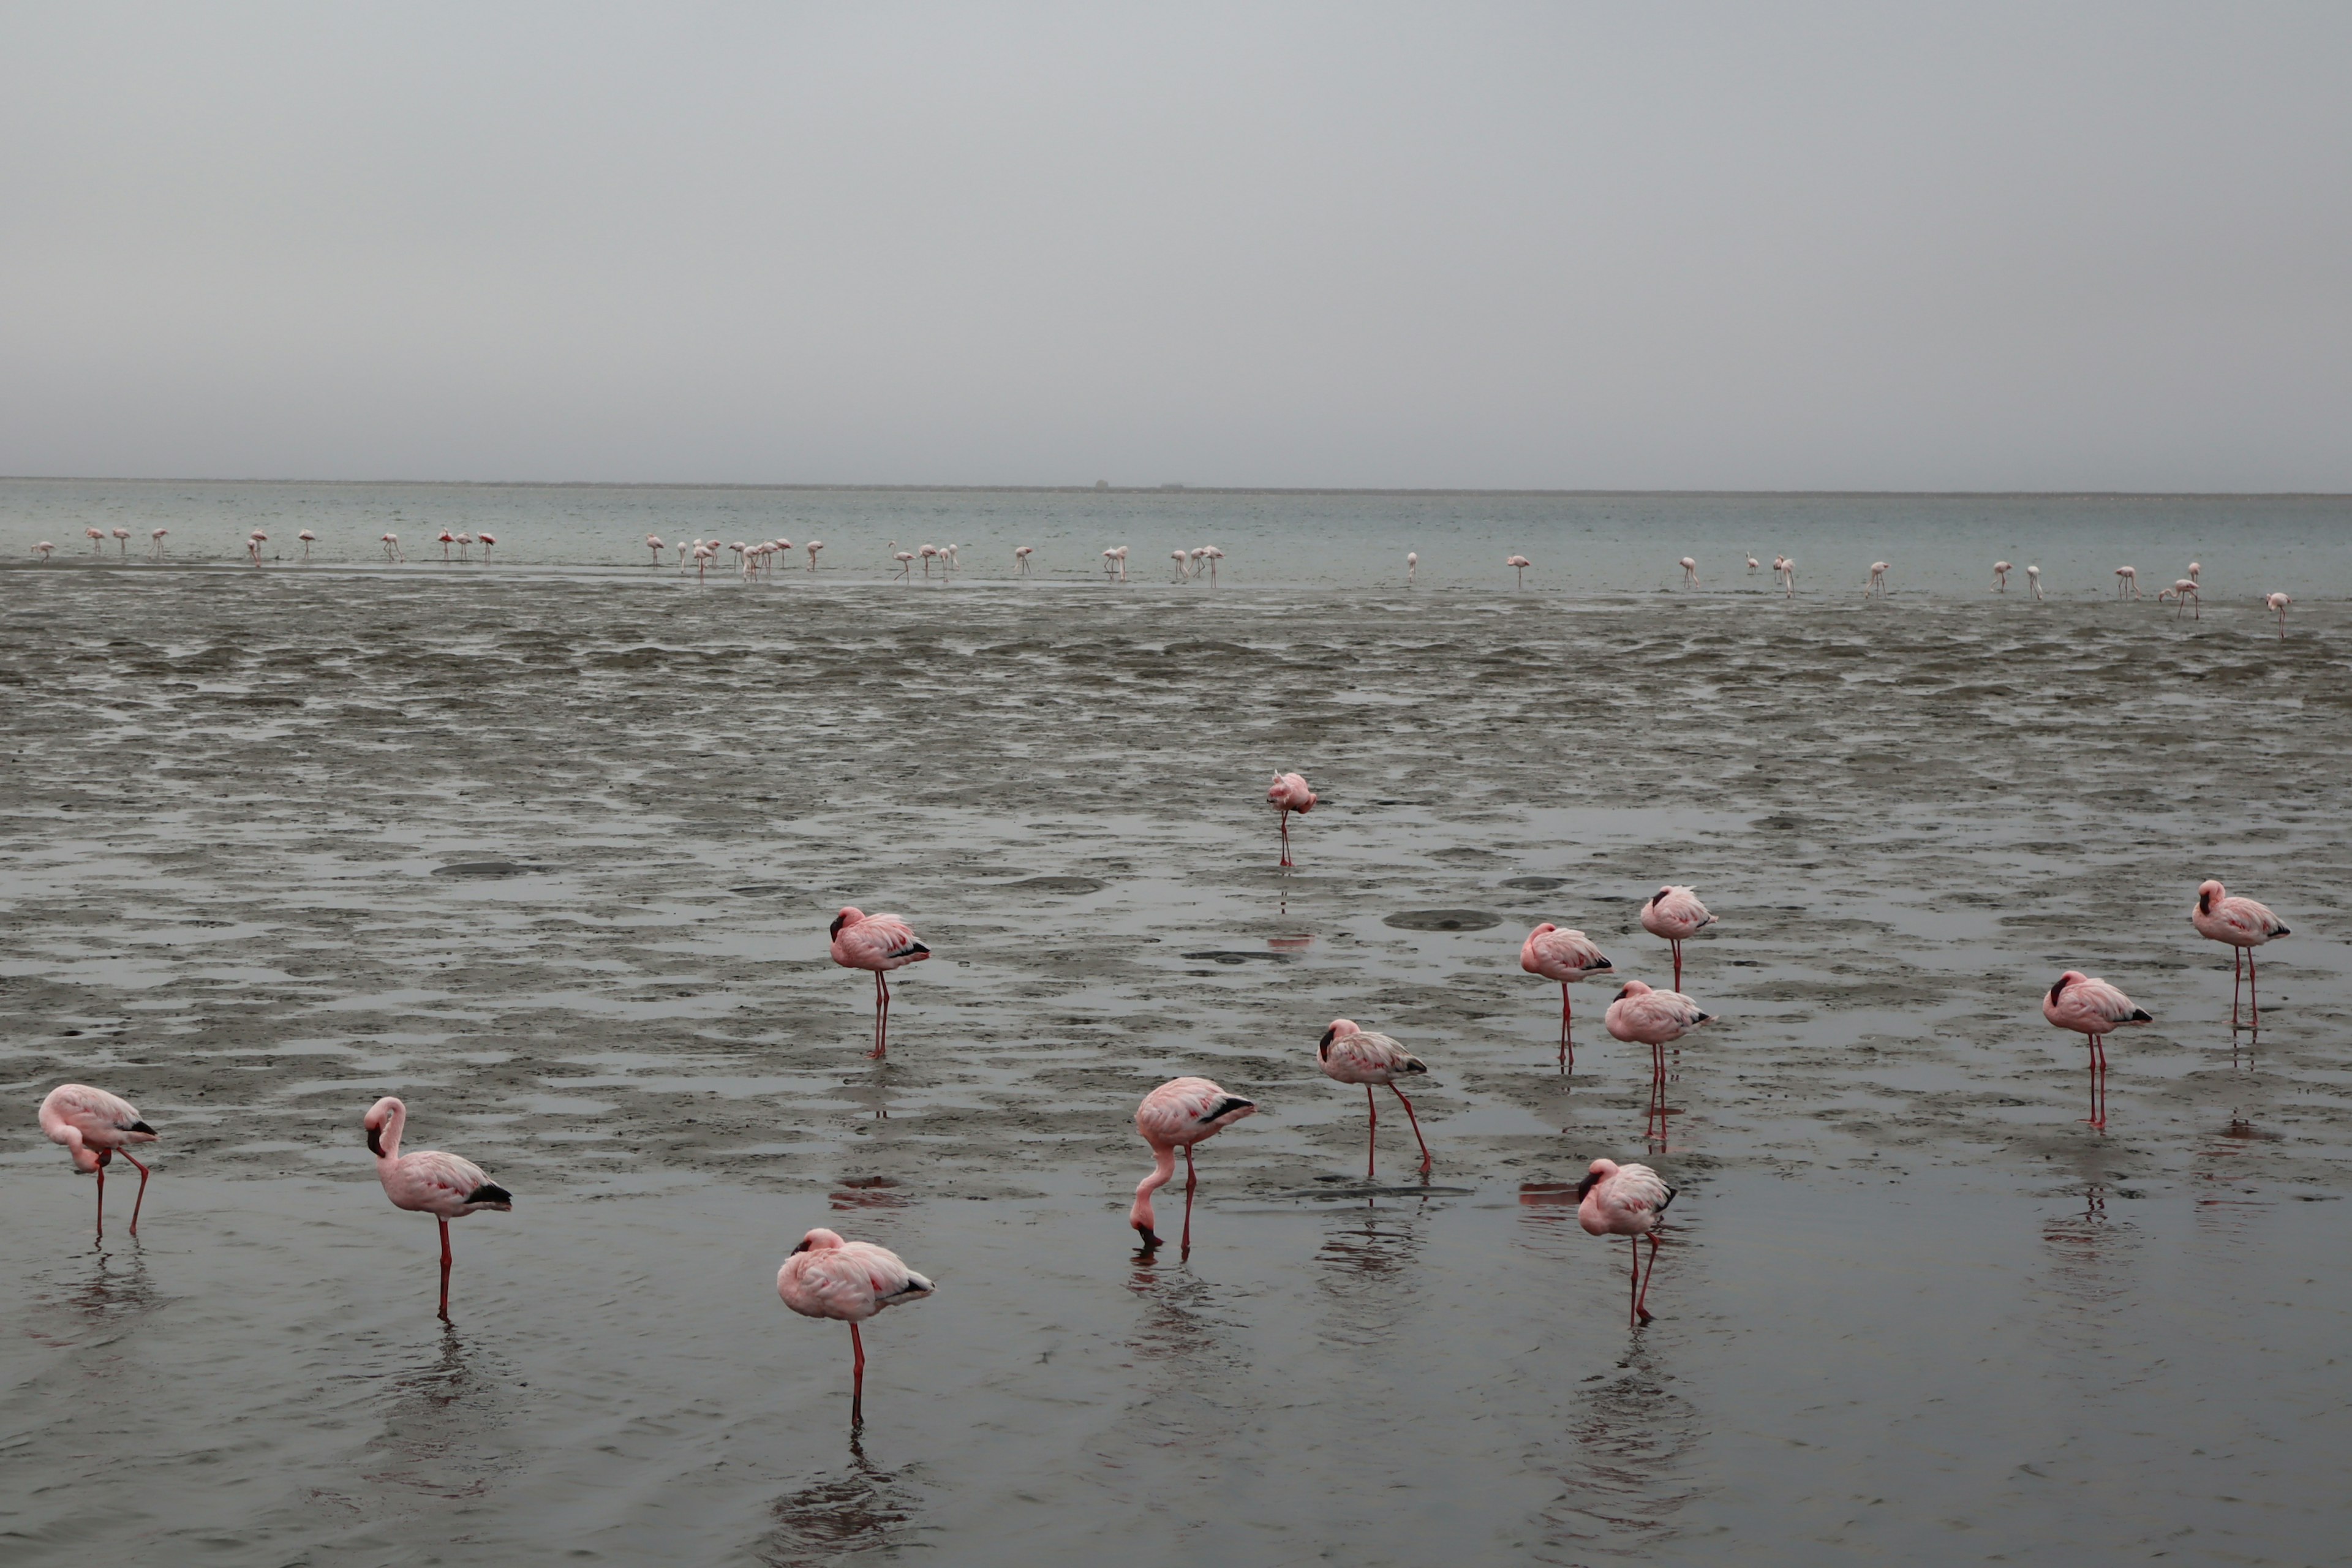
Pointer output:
1372, 1135
1677, 946
2236, 979
881, 1015
1409, 1116
444, 1270
142, 1193
1641, 1298
1633, 1285
2254, 991
1566, 1030
1285, 835
857, 1379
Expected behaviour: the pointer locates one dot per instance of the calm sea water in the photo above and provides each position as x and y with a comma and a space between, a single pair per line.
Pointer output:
2248, 546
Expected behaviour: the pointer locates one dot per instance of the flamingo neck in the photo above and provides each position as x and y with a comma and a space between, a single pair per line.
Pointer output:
388, 1140
1163, 1171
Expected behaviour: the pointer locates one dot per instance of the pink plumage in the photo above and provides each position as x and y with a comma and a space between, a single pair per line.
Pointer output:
1288, 792
2244, 925
1641, 1015
1675, 913
850, 1282
2093, 1009
94, 1126
1627, 1201
1567, 956
1177, 1115
1350, 1054
880, 943
428, 1182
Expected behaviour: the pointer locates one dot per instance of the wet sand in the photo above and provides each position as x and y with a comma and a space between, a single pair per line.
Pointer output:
553, 861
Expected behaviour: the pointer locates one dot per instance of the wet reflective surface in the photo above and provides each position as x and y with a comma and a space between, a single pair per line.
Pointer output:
1908, 1306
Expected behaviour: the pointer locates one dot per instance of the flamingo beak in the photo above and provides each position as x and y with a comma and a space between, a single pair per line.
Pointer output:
804, 1246
373, 1147
1585, 1186
1149, 1240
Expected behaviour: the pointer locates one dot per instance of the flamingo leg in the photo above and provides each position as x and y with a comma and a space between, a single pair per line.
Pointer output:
1373, 1133
1641, 1299
1566, 1030
1285, 835
2237, 979
101, 1200
1633, 1285
1677, 945
2253, 990
858, 1378
444, 1270
1409, 1116
142, 1193
1184, 1244
881, 1015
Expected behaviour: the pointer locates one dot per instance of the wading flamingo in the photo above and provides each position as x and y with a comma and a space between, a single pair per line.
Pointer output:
826, 1277
2278, 602
1020, 560
1519, 564
428, 1182
464, 541
905, 560
813, 546
1786, 566
1754, 566
94, 1126
155, 543
880, 944
97, 537
2092, 1008
253, 543
307, 539
1177, 1115
121, 541
2183, 592
927, 553
704, 554
1627, 1201
2000, 576
1878, 577
1675, 914
2245, 925
2196, 570
1567, 956
1183, 565
390, 543
1350, 1055
1288, 792
1690, 572
1653, 1018
2126, 583
487, 540
2033, 580
42, 550
1213, 555
653, 543
1412, 565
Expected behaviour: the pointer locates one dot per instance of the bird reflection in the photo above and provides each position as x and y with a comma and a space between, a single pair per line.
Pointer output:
435, 1423
1654, 1131
109, 1296
2225, 1169
859, 1508
2090, 1255
1366, 1266
872, 1092
1630, 1473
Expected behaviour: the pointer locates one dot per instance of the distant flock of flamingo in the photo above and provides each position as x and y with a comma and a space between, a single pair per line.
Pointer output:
851, 1281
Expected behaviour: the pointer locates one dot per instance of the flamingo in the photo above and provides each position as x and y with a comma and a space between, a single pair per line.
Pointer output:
94, 1126
927, 553
2196, 570
704, 554
1753, 567
680, 548
1350, 1055
1199, 560
2278, 602
448, 539
905, 560
826, 1277
1567, 956
881, 943
813, 546
1183, 565
1690, 572
1215, 556
2000, 576
1412, 565
155, 543
1788, 572
465, 542
1877, 577
2126, 583
486, 541
1177, 1115
2181, 593
253, 543
948, 560
307, 539
97, 537
390, 543
1020, 560
121, 541
1627, 1201
1641, 1015
2033, 580
2092, 1008
653, 543
2245, 925
1519, 564
1288, 792
428, 1182
1675, 913
42, 550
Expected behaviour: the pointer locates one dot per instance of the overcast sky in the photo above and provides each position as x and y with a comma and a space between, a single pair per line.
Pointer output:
1553, 245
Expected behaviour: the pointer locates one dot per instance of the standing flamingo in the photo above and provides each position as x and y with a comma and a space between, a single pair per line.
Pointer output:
465, 542
653, 543
813, 546
881, 943
155, 543
2278, 602
390, 543
428, 1182
1690, 572
2245, 925
2091, 1008
1412, 565
1215, 556
2196, 570
42, 550
1519, 564
2000, 576
704, 554
1676, 914
1627, 1201
1641, 1015
94, 1126
1183, 565
97, 537
1754, 566
1288, 792
1177, 1115
1878, 577
253, 543
1351, 1055
2033, 580
1021, 559
905, 560
1567, 956
2183, 592
2126, 583
307, 539
826, 1277
121, 542
487, 540
1786, 566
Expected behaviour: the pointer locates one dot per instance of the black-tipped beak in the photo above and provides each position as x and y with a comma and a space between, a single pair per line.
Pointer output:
1149, 1240
836, 930
373, 1147
143, 1126
1585, 1186
1326, 1043
800, 1248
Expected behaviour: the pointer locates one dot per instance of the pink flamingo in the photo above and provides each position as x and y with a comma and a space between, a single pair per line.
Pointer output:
2126, 583
2181, 594
42, 550
704, 554
1021, 554
1690, 572
2092, 1008
2000, 576
1567, 956
1288, 792
94, 1126
121, 541
464, 540
155, 543
1519, 564
448, 539
1754, 566
1183, 565
2196, 570
97, 537
905, 560
826, 1277
1653, 1018
428, 1182
307, 539
1675, 914
2245, 925
1177, 1115
1878, 577
1213, 555
813, 546
486, 541
1627, 1201
253, 543
1787, 567
1412, 566
2278, 602
653, 543
390, 543
881, 943
1351, 1055
2034, 580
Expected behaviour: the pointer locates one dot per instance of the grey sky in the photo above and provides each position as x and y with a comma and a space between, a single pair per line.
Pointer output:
1771, 246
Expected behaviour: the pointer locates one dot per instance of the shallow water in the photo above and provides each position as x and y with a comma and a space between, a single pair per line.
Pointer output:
552, 857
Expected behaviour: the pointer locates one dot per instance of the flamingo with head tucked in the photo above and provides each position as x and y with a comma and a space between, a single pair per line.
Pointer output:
1519, 564
94, 1126
1288, 792
1567, 956
1177, 1115
121, 542
653, 543
1675, 913
826, 1277
880, 943
428, 1182
307, 539
486, 541
97, 537
1641, 1015
253, 543
2245, 925
1412, 565
1627, 1201
813, 546
2092, 1008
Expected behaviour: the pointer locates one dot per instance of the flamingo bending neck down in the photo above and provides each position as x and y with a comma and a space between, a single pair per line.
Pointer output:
1412, 565
1021, 559
155, 547
2000, 576
2033, 580
1350, 1055
1878, 577
880, 943
2126, 583
826, 1277
1177, 1114
1288, 792
1753, 567
428, 1182
1690, 572
1627, 1201
2278, 602
94, 1126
